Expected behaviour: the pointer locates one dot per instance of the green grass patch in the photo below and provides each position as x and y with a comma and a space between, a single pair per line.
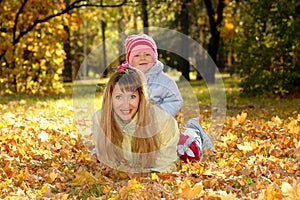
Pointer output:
259, 107
256, 107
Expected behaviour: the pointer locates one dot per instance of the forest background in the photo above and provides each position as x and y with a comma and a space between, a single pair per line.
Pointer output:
43, 44
255, 44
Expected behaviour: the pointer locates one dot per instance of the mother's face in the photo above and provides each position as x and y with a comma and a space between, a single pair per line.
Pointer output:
125, 103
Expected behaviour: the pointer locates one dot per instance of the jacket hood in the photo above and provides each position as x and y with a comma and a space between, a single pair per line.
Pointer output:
156, 69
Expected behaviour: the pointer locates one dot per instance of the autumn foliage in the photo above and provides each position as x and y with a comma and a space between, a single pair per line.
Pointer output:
42, 157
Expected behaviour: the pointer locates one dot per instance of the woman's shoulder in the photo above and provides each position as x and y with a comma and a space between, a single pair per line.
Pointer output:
161, 115
97, 114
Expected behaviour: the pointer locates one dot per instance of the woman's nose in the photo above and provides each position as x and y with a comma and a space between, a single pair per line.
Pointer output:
126, 103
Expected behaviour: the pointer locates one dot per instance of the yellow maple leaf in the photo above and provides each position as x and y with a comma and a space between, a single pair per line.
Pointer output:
43, 189
242, 117
20, 177
209, 172
293, 127
276, 120
21, 151
84, 177
246, 147
133, 184
154, 176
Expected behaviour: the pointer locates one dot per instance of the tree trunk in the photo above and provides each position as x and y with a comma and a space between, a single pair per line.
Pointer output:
184, 28
67, 71
103, 25
121, 40
145, 16
215, 35
78, 51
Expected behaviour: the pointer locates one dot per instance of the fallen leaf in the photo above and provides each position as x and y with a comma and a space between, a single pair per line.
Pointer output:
84, 177
186, 190
245, 147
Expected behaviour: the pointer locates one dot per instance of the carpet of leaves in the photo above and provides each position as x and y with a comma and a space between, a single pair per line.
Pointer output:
42, 157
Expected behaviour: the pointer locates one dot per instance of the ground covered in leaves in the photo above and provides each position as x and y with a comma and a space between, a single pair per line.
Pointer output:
42, 157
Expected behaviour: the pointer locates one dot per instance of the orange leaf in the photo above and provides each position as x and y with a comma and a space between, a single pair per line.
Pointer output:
9, 170
28, 177
186, 190
53, 176
241, 118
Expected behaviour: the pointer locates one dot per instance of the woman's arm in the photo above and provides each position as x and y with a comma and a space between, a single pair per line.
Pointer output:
166, 156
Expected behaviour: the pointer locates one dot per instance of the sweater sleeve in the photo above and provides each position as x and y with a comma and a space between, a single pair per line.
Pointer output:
172, 99
96, 129
166, 156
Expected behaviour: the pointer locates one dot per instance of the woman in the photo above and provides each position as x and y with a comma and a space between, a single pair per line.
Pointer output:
130, 133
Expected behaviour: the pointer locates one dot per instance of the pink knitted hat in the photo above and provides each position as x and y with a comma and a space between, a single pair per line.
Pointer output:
136, 43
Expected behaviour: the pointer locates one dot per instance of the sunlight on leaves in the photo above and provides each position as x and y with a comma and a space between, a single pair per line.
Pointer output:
43, 157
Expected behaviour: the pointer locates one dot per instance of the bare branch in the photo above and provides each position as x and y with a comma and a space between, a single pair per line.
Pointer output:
17, 18
74, 5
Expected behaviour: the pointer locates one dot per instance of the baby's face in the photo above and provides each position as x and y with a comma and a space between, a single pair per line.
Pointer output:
143, 60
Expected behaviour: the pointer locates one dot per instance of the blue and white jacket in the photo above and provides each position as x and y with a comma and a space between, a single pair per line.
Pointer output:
163, 89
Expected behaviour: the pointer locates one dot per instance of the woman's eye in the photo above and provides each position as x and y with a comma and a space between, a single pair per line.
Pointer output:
133, 96
118, 97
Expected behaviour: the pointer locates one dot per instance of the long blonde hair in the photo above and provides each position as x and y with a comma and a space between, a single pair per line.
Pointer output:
144, 142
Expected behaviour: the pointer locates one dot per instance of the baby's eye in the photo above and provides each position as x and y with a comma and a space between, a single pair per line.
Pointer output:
137, 55
148, 54
133, 96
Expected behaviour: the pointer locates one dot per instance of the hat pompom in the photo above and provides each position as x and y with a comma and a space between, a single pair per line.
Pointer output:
122, 66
